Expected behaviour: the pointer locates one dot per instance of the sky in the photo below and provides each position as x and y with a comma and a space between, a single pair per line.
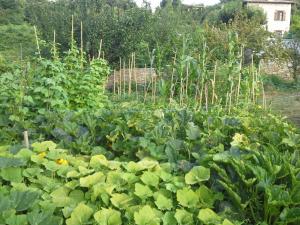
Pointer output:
155, 3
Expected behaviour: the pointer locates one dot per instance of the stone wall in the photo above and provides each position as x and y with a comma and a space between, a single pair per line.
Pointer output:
137, 75
282, 69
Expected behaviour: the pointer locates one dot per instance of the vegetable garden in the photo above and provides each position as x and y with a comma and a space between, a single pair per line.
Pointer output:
196, 145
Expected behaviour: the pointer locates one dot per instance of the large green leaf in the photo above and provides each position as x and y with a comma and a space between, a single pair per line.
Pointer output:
95, 178
23, 200
147, 216
207, 197
121, 200
163, 203
169, 218
197, 174
16, 220
11, 162
150, 179
108, 217
187, 197
43, 146
142, 191
98, 161
12, 174
290, 215
192, 131
80, 215
208, 216
43, 218
183, 217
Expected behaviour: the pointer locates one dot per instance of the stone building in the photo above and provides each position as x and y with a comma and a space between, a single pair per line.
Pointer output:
278, 13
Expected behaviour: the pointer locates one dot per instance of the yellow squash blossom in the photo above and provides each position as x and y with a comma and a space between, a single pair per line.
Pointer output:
62, 162
42, 154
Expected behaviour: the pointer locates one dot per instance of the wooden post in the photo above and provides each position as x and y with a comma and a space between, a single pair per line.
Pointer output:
135, 78
145, 83
214, 85
81, 44
120, 78
264, 96
72, 32
54, 44
100, 48
187, 81
172, 80
240, 76
124, 76
114, 82
37, 42
129, 74
206, 96
26, 139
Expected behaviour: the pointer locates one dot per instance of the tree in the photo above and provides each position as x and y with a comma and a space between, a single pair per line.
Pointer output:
17, 39
294, 58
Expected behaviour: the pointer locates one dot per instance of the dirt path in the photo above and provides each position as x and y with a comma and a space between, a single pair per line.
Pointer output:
287, 104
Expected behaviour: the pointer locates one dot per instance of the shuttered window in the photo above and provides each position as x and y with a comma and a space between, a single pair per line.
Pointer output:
279, 15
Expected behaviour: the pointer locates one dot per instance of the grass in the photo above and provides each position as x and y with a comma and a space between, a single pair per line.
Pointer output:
285, 103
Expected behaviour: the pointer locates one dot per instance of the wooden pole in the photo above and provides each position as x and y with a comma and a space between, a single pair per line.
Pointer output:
114, 82
81, 44
26, 139
100, 49
72, 33
172, 80
240, 77
135, 78
124, 77
145, 83
120, 78
206, 97
54, 44
214, 85
129, 74
37, 42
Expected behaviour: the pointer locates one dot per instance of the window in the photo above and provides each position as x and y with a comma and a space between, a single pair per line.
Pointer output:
279, 33
279, 16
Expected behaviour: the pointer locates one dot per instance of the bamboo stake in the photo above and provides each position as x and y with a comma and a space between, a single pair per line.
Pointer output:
206, 97
152, 83
253, 79
26, 139
154, 91
240, 77
145, 84
129, 74
214, 85
21, 52
172, 80
227, 96
181, 92
201, 94
120, 79
72, 33
37, 42
187, 82
81, 44
54, 44
114, 82
135, 78
124, 77
264, 96
100, 48
230, 97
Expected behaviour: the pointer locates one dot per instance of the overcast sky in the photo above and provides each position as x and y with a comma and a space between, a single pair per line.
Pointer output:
155, 3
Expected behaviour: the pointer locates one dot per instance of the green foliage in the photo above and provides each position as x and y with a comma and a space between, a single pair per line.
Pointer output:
56, 85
